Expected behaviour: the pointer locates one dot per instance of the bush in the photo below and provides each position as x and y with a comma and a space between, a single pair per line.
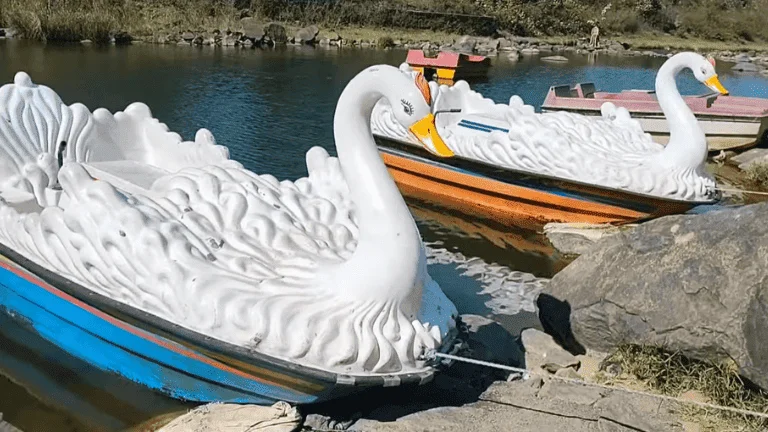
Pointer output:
621, 21
69, 20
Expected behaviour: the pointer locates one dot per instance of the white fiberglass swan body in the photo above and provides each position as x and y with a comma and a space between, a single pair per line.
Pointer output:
610, 151
328, 271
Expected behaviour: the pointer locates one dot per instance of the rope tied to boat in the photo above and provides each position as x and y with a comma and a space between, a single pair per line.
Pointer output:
740, 191
527, 373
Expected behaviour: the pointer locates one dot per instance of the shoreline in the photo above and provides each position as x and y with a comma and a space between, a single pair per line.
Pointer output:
250, 33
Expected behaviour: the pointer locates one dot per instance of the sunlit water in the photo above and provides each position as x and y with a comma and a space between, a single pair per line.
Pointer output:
269, 108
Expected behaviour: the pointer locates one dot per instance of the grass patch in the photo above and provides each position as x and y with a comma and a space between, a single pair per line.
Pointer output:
757, 173
684, 23
673, 374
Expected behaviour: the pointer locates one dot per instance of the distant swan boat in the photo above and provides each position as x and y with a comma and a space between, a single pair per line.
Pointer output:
509, 163
730, 123
167, 263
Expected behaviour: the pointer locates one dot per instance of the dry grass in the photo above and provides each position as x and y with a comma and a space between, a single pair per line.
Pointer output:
74, 20
757, 173
673, 374
709, 24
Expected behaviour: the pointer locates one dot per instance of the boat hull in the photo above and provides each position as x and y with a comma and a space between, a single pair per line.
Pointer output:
157, 354
512, 197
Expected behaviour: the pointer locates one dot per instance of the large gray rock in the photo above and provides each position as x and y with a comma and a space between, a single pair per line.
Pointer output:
578, 238
307, 35
252, 29
275, 33
750, 157
694, 283
539, 405
465, 45
746, 67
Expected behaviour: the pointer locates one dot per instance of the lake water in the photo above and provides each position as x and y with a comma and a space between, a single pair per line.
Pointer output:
269, 107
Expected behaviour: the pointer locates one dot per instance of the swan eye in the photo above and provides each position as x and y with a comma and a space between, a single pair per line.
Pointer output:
407, 107
703, 71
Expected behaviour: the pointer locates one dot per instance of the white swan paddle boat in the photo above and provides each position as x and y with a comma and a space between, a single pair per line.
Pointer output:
730, 123
509, 163
167, 263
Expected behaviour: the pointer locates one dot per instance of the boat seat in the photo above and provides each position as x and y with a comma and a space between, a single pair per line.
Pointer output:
128, 175
563, 91
588, 90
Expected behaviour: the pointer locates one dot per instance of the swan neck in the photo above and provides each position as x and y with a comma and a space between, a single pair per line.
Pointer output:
388, 258
687, 147
371, 187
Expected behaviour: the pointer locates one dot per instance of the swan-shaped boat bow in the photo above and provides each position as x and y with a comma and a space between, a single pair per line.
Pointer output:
507, 162
171, 265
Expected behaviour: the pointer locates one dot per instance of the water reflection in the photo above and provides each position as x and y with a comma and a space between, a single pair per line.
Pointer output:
55, 392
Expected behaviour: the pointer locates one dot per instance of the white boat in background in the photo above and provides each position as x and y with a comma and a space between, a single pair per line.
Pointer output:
729, 122
512, 164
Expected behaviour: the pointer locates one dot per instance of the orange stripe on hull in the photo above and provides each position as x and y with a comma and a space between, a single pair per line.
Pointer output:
501, 201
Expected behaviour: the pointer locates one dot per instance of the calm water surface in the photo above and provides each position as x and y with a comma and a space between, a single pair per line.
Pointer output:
269, 107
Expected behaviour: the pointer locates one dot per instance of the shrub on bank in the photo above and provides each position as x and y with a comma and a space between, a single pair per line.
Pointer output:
68, 20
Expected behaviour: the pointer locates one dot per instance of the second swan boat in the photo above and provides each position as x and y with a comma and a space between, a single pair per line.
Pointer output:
509, 163
166, 263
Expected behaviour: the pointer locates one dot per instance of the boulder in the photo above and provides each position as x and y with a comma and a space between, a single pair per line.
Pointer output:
122, 38
228, 40
752, 156
307, 35
2, 32
542, 352
280, 417
506, 45
465, 45
577, 238
188, 36
693, 283
276, 34
555, 59
252, 29
746, 67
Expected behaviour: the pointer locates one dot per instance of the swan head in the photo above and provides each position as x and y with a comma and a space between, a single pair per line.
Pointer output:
704, 71
411, 102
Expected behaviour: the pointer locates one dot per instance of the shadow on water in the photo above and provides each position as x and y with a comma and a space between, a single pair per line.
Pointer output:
269, 107
46, 389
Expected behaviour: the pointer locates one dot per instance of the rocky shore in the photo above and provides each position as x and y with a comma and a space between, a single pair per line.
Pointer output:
252, 33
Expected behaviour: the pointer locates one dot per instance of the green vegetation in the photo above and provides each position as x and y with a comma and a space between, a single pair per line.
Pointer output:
732, 21
673, 374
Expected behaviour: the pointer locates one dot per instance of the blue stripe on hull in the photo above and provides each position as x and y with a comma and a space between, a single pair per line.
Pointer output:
480, 126
108, 347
